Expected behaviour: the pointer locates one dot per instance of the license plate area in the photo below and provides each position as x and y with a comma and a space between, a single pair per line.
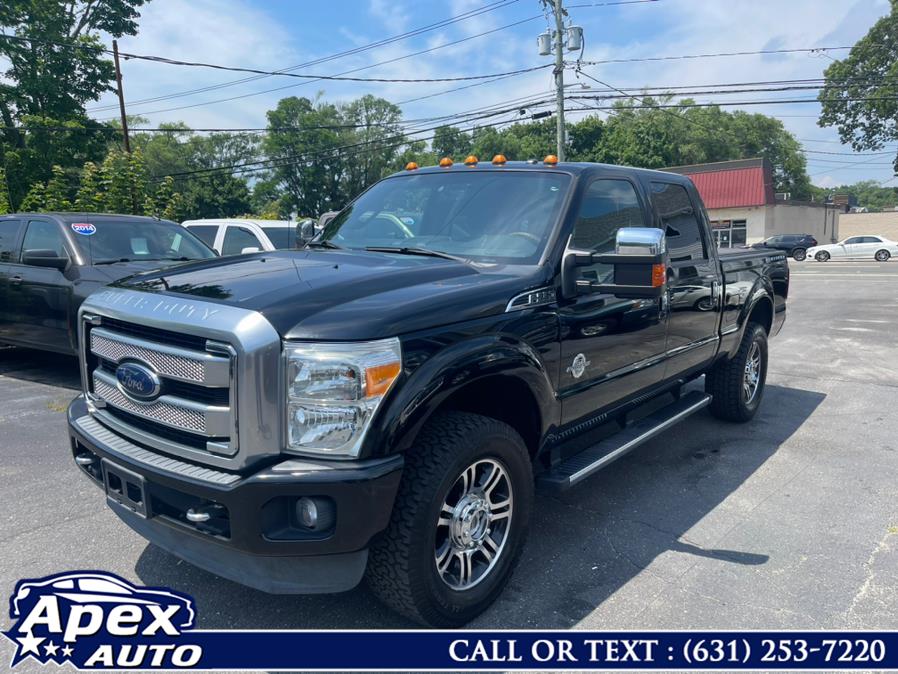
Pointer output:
126, 488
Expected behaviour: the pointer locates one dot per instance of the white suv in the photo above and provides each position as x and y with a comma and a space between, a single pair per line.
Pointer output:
236, 236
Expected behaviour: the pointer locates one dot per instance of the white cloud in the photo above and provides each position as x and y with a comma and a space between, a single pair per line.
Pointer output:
239, 32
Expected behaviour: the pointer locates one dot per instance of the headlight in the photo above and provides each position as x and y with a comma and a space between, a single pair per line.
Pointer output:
333, 391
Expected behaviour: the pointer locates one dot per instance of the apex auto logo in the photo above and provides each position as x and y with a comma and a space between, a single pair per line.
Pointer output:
96, 620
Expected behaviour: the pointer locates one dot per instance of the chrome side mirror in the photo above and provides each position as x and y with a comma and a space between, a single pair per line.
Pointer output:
305, 232
640, 241
639, 261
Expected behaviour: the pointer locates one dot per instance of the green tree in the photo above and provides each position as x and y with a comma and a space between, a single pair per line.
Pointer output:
89, 197
56, 195
47, 83
860, 94
308, 169
4, 193
35, 200
641, 133
450, 141
378, 136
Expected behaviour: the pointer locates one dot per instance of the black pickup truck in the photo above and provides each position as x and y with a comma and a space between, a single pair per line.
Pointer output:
50, 262
384, 402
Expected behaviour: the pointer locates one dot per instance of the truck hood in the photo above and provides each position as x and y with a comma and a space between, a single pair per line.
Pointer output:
346, 295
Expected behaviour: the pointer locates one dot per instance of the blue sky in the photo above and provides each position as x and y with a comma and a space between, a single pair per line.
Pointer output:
274, 34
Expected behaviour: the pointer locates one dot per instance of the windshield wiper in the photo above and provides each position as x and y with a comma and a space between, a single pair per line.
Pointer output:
323, 244
412, 250
117, 260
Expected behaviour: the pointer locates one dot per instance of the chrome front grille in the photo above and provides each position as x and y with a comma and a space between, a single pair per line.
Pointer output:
219, 366
180, 416
172, 412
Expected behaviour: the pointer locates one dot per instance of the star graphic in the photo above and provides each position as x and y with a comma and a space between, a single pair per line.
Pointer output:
67, 651
29, 644
51, 648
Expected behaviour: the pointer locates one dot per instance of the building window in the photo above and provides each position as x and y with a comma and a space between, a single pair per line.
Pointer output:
729, 233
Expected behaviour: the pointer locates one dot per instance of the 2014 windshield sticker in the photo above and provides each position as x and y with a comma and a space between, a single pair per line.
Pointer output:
84, 228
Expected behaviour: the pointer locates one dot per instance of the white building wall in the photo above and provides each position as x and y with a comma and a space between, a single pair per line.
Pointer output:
785, 218
804, 219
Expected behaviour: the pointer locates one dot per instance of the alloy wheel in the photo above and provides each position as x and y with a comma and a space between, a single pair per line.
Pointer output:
473, 524
751, 380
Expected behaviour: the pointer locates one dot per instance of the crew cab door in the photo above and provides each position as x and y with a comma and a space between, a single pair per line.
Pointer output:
693, 277
41, 301
10, 230
611, 347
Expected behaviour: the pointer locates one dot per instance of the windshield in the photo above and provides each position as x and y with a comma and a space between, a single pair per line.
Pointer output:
486, 216
134, 240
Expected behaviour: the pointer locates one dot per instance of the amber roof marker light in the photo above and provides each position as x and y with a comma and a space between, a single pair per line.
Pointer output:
550, 159
470, 160
445, 162
499, 159
411, 166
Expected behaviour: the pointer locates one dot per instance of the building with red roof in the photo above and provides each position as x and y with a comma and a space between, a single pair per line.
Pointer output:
744, 209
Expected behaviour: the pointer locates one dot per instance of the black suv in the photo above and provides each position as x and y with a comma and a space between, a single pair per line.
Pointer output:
795, 245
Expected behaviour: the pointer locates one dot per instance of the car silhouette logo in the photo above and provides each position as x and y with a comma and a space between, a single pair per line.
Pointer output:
138, 381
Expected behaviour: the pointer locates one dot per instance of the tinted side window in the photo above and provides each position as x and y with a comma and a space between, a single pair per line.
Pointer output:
872, 239
607, 206
679, 220
43, 235
238, 238
9, 234
281, 238
854, 239
205, 233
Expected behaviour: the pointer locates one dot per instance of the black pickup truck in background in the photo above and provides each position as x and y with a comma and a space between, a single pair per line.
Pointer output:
50, 262
384, 402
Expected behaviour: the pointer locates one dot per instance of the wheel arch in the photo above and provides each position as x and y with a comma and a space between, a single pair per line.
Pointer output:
497, 377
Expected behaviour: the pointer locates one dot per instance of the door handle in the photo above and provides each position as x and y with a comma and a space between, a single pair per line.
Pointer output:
15, 280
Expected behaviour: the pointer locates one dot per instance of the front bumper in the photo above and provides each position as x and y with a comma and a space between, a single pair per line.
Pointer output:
254, 537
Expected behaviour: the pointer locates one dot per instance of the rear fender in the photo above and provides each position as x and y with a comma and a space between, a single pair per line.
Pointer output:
758, 301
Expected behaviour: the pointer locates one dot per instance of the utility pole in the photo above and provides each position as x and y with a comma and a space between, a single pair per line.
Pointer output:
121, 96
559, 79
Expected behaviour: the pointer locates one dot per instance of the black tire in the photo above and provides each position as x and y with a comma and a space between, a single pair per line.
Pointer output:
726, 381
822, 256
882, 255
799, 254
402, 569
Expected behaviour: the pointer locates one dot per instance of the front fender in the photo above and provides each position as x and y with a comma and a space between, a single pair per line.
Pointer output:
447, 371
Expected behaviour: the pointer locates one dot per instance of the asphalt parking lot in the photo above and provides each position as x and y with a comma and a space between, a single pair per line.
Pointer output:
790, 521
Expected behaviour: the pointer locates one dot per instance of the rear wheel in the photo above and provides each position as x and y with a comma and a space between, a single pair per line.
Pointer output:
822, 256
459, 521
799, 254
882, 256
737, 384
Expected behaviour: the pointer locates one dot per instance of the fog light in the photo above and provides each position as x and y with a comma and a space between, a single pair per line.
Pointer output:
307, 512
315, 513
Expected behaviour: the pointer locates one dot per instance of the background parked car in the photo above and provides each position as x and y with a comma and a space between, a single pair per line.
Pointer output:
794, 245
867, 247
50, 262
236, 236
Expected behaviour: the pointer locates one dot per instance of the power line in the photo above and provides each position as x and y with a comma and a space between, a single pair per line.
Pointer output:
680, 57
500, 4
403, 136
356, 70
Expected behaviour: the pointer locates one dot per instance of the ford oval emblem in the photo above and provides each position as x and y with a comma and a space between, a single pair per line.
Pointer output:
138, 381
